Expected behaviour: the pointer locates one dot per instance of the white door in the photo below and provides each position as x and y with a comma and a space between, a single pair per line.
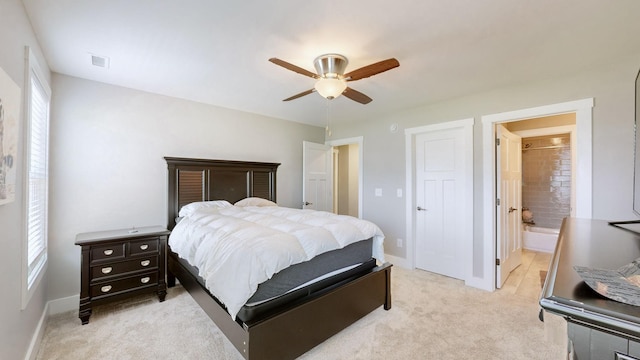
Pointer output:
317, 170
509, 209
440, 192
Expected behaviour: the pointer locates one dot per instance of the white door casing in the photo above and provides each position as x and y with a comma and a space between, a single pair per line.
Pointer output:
317, 170
440, 192
509, 207
485, 276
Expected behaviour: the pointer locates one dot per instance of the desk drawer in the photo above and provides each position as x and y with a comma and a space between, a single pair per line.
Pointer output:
111, 269
118, 285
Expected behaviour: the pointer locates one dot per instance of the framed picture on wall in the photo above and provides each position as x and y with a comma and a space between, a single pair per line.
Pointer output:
9, 120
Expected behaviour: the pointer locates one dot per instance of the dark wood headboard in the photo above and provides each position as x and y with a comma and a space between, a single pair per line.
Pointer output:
193, 180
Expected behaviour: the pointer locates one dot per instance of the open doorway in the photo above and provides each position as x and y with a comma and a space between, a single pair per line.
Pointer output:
332, 176
347, 160
545, 188
485, 277
346, 175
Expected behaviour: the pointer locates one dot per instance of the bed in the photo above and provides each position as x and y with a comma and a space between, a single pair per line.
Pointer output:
290, 325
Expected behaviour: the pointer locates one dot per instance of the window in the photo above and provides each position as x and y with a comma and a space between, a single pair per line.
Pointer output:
38, 97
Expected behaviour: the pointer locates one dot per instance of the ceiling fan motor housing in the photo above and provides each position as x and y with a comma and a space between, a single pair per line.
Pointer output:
331, 65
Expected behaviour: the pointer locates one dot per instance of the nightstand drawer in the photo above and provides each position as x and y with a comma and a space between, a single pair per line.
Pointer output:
111, 269
144, 246
108, 252
129, 283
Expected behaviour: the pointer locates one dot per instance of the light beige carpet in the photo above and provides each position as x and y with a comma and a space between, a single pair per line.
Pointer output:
433, 317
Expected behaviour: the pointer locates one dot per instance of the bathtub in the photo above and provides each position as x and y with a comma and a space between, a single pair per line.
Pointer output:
539, 239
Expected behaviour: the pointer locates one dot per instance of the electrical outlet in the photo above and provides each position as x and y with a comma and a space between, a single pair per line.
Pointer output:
378, 192
399, 193
399, 243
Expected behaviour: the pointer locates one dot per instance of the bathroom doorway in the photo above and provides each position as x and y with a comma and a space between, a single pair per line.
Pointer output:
548, 179
484, 274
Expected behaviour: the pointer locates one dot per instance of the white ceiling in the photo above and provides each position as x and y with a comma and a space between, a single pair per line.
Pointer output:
217, 52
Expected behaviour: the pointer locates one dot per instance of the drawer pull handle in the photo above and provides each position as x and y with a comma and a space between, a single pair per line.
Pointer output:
105, 289
107, 270
144, 247
145, 262
108, 252
145, 280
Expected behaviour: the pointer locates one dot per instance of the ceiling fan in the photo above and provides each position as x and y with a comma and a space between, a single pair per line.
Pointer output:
332, 81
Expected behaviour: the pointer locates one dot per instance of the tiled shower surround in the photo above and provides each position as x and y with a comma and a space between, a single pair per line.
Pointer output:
546, 179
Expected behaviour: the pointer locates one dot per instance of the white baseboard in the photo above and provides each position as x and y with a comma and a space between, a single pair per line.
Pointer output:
34, 345
52, 307
62, 305
480, 283
539, 246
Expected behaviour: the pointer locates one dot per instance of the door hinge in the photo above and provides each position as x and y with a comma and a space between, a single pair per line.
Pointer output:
497, 202
497, 141
497, 262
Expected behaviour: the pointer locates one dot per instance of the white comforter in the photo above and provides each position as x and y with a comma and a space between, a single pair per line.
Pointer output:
237, 248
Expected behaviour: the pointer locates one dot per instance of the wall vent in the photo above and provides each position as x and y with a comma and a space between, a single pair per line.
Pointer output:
100, 61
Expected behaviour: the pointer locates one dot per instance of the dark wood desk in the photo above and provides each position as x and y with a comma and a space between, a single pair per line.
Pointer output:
598, 328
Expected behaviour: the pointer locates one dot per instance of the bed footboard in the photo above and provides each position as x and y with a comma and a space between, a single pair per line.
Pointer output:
299, 329
300, 326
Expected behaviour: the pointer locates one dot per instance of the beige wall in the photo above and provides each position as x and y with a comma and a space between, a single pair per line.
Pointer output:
611, 86
17, 327
107, 166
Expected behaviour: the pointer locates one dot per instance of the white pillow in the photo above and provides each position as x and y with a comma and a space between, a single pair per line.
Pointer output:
195, 206
255, 201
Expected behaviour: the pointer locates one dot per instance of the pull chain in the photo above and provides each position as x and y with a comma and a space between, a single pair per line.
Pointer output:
327, 129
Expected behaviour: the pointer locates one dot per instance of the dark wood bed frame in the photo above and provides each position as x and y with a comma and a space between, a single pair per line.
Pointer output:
295, 328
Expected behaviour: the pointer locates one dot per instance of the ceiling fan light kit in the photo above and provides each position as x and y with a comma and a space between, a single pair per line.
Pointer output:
331, 78
330, 68
330, 88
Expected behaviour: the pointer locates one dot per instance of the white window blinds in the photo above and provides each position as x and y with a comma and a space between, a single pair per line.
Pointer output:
37, 177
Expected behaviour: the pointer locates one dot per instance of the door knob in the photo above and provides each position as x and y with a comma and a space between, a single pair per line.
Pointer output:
306, 203
421, 208
512, 209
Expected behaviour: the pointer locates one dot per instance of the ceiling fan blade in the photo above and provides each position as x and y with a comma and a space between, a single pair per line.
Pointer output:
300, 95
373, 69
295, 68
356, 96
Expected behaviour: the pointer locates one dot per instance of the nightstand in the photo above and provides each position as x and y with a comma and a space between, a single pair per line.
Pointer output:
120, 263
